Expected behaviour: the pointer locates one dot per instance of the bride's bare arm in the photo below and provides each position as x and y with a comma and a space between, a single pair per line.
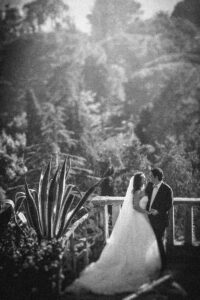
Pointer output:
136, 200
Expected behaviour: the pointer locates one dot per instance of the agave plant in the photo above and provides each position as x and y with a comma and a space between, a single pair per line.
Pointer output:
49, 209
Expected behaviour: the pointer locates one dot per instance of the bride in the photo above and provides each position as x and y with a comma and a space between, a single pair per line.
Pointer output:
131, 257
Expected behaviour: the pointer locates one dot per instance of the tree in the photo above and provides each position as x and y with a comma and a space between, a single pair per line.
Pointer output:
38, 13
188, 9
53, 129
177, 165
10, 23
11, 159
109, 17
34, 118
172, 110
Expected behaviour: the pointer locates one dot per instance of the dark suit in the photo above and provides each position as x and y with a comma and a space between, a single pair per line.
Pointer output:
162, 203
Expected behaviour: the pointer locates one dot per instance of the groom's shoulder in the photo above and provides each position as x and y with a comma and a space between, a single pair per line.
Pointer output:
167, 186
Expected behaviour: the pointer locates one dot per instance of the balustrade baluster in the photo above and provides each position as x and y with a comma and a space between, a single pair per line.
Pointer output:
171, 228
101, 218
189, 225
106, 222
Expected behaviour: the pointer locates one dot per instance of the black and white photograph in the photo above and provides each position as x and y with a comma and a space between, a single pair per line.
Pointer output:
99, 149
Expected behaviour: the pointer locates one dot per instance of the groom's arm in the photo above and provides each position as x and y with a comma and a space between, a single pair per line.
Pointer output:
169, 199
167, 202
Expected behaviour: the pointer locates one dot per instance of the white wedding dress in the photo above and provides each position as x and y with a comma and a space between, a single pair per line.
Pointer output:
130, 258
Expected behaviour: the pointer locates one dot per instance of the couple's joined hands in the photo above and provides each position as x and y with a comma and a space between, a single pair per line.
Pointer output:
153, 212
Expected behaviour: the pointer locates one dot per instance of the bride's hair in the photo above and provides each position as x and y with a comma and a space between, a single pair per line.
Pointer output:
137, 182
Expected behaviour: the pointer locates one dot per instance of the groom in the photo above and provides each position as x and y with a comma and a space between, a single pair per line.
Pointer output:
159, 203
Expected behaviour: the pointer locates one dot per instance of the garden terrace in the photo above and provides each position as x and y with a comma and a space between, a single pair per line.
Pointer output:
109, 208
182, 246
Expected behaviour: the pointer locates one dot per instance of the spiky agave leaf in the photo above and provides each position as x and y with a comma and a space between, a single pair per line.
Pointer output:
40, 200
66, 204
66, 225
19, 200
32, 212
64, 214
20, 204
83, 200
34, 193
45, 182
52, 199
61, 191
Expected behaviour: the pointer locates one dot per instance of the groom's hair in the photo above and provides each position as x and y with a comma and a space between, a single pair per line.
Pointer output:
157, 172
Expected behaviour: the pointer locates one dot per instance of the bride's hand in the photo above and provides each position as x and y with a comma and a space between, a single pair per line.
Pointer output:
153, 212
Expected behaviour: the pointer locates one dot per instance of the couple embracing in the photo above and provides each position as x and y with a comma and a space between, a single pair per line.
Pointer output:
134, 254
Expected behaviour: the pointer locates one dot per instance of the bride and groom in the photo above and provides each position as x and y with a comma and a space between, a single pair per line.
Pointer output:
134, 254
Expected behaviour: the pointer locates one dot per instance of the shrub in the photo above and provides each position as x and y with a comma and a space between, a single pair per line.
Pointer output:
29, 270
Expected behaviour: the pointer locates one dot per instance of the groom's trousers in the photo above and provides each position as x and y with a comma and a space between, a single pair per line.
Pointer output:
159, 231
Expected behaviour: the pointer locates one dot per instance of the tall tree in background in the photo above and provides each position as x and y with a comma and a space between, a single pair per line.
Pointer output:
34, 118
106, 83
38, 12
172, 111
110, 17
188, 10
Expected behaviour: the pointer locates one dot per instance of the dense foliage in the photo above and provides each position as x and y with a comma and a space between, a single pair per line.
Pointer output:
131, 82
29, 269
